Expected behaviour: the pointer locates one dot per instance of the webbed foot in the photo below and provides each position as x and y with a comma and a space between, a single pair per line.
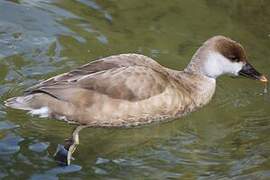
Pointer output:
64, 152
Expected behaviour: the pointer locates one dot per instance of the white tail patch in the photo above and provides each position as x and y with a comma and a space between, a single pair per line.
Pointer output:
42, 112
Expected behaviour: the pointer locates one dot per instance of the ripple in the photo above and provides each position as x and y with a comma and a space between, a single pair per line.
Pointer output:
97, 7
249, 162
10, 144
100, 171
39, 147
7, 125
102, 160
34, 42
55, 172
254, 175
238, 99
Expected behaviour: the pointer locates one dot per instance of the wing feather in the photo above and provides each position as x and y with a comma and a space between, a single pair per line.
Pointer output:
126, 77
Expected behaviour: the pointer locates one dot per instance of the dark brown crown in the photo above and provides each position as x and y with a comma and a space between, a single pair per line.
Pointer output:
230, 49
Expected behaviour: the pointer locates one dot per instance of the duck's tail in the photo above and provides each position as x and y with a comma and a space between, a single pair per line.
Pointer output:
21, 102
28, 103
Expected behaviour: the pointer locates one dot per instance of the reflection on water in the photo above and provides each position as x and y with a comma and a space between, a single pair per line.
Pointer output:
227, 139
54, 172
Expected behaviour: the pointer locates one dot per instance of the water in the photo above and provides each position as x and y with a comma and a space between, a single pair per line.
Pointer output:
227, 139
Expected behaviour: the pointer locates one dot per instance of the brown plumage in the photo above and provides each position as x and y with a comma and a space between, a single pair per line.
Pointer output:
132, 89
121, 90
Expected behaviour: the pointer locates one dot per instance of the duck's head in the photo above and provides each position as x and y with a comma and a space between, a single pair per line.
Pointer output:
221, 55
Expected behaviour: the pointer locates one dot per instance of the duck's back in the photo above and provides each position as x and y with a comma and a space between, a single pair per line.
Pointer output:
121, 90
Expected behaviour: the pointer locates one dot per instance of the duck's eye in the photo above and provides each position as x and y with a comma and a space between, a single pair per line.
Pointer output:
234, 58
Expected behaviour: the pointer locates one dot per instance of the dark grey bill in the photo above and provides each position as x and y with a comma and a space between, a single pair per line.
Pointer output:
250, 72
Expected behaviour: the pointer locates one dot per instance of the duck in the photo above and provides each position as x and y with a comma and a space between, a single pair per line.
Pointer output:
129, 90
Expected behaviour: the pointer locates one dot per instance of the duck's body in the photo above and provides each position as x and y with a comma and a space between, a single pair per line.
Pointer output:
120, 90
132, 89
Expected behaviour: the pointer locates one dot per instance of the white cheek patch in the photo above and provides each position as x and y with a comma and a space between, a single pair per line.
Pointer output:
216, 65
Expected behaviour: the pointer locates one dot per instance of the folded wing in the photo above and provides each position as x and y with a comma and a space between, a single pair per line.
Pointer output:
120, 77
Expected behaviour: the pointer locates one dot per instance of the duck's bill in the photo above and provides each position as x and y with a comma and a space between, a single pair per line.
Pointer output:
250, 72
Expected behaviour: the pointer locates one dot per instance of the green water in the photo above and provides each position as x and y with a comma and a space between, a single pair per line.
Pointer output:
227, 139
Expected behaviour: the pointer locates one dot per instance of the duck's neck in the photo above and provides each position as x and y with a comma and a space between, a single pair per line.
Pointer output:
201, 83
201, 87
196, 64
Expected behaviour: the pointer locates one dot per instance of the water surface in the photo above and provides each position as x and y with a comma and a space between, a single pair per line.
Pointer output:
227, 139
